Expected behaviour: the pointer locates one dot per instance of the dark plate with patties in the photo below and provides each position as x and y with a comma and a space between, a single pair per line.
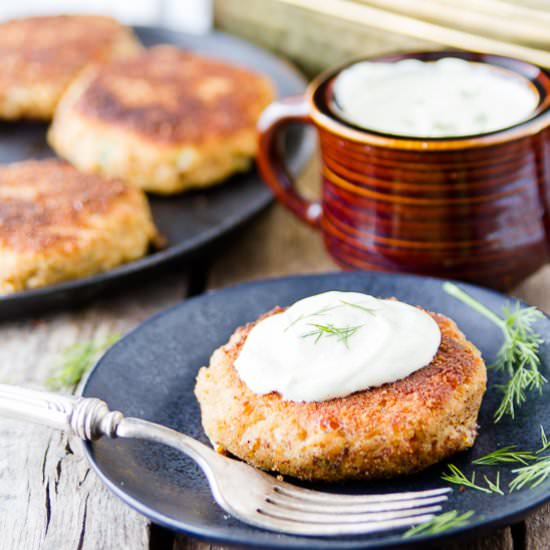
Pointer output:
151, 374
190, 222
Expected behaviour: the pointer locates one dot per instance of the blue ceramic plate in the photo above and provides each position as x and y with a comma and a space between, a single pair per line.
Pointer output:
151, 373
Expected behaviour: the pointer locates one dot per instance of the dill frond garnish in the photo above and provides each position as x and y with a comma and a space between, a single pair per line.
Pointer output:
533, 474
535, 465
494, 486
544, 440
342, 334
359, 306
519, 355
324, 310
505, 455
76, 360
440, 523
318, 313
457, 477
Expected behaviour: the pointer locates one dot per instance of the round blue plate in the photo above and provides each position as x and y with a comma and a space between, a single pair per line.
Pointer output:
151, 373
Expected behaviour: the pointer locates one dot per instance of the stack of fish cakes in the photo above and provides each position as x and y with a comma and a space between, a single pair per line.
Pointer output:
129, 120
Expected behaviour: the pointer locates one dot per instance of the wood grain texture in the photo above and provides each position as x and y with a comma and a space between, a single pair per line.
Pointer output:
183, 543
537, 530
49, 497
500, 540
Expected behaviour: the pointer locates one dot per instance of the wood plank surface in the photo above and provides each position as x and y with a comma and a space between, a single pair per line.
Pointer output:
49, 497
537, 530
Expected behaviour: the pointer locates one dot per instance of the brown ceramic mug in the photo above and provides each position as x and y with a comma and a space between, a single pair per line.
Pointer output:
473, 208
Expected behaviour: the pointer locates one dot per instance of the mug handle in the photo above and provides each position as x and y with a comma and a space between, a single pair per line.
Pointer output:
271, 162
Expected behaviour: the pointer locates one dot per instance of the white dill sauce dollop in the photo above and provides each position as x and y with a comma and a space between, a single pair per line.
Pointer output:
334, 344
446, 98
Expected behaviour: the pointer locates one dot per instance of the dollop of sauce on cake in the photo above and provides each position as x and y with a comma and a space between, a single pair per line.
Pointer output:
334, 344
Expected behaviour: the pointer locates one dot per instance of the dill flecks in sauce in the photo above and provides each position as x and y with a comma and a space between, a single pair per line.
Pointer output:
445, 98
334, 344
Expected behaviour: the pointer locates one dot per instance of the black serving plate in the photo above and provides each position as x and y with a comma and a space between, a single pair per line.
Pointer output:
190, 221
151, 373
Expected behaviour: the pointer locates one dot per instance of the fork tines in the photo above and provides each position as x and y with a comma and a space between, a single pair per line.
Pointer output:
305, 512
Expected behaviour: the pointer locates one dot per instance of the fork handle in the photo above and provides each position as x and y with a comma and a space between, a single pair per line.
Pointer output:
86, 417
89, 419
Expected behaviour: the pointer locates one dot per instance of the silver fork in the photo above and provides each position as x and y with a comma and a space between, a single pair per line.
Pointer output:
246, 493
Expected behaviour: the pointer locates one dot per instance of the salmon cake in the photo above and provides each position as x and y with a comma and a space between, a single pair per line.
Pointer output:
40, 56
165, 121
389, 430
58, 224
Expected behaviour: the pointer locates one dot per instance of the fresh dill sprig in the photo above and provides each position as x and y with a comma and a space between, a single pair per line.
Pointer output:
534, 470
533, 474
519, 355
526, 377
440, 523
544, 440
359, 306
505, 455
342, 334
318, 313
494, 486
458, 478
76, 360
326, 309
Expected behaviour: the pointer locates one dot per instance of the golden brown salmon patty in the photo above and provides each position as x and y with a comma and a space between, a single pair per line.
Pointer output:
40, 56
165, 121
57, 224
394, 429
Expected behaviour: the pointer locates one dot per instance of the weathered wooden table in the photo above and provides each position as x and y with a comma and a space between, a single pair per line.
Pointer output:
49, 498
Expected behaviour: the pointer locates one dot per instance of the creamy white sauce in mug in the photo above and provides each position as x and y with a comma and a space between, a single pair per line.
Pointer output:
445, 98
334, 344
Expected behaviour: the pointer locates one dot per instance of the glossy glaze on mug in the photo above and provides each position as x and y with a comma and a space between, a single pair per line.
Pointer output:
471, 208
